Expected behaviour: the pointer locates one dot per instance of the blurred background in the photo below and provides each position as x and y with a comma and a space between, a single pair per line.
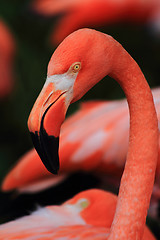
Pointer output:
31, 33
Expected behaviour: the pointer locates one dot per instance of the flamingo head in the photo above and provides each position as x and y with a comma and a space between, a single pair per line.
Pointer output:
76, 65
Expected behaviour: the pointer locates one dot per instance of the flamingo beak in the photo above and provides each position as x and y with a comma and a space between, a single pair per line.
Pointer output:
45, 120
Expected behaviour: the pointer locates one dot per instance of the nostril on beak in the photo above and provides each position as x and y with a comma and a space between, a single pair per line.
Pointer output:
47, 100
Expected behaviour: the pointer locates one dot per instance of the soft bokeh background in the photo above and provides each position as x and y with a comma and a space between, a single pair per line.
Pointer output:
33, 51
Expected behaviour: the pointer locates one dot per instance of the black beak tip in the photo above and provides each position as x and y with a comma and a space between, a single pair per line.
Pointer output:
47, 148
55, 172
52, 163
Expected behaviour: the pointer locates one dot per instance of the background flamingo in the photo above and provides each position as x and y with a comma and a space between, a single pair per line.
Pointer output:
95, 13
56, 94
78, 145
7, 54
83, 215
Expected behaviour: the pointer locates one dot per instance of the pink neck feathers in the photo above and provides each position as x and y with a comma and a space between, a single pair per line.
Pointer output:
138, 177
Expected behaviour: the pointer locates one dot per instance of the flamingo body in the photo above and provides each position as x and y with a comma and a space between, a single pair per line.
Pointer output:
79, 150
96, 13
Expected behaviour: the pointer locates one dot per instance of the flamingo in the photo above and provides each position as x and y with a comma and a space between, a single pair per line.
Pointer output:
78, 138
80, 61
97, 13
83, 215
7, 52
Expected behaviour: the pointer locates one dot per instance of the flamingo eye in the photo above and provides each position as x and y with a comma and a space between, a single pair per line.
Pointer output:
76, 67
82, 203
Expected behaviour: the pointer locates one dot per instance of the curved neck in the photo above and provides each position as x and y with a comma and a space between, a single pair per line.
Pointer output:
138, 177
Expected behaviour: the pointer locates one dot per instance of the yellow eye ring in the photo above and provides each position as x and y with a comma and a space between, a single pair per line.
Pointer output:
76, 67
